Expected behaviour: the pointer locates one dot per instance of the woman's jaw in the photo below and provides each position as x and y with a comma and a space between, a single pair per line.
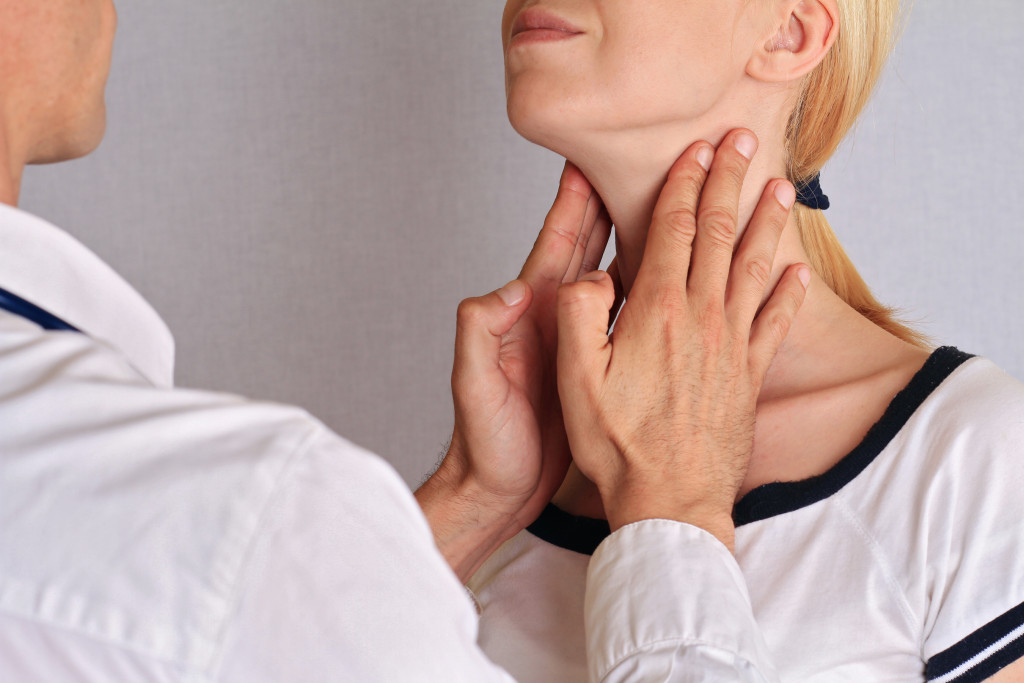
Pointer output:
628, 169
635, 84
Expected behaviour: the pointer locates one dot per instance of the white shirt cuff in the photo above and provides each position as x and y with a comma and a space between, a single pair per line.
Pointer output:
666, 601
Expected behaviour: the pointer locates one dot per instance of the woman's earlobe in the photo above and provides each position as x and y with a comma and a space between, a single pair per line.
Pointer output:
799, 44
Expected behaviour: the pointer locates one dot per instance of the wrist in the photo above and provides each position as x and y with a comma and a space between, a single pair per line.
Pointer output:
467, 526
625, 506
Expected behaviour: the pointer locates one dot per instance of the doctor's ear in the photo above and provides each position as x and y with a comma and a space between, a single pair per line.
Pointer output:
802, 35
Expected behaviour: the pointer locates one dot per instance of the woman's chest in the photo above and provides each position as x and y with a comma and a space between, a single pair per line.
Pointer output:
827, 611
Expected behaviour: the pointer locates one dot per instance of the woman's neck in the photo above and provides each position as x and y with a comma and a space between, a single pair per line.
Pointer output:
630, 185
831, 349
827, 331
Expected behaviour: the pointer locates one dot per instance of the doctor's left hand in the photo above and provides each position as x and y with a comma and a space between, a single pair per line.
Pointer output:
509, 452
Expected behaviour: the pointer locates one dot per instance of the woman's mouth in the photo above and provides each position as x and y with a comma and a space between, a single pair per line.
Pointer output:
536, 25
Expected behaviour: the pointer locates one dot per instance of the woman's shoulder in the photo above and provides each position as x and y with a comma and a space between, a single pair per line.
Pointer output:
955, 434
977, 405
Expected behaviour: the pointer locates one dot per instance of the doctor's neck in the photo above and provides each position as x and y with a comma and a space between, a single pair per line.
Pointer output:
11, 168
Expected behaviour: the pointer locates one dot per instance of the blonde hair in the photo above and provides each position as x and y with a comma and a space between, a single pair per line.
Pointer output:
833, 96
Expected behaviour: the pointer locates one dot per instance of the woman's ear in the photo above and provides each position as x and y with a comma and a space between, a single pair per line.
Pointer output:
800, 39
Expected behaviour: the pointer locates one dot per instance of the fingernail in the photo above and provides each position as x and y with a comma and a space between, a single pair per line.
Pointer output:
705, 155
512, 293
804, 275
593, 276
746, 144
785, 193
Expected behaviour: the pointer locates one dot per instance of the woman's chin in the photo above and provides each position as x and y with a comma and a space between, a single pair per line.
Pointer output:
550, 131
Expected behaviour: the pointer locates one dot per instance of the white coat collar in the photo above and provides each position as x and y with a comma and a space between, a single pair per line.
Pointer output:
51, 269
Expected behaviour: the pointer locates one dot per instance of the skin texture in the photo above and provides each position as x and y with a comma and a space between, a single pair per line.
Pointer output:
717, 66
509, 451
638, 85
642, 83
54, 61
660, 412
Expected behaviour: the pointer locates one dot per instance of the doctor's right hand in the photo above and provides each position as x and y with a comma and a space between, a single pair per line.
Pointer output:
509, 451
660, 412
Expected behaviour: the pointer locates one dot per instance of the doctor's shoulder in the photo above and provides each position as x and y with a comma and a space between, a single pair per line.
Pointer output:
145, 528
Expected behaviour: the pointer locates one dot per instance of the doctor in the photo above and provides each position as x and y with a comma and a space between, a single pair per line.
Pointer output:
155, 533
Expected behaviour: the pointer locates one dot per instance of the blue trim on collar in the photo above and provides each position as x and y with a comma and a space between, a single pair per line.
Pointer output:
771, 500
18, 306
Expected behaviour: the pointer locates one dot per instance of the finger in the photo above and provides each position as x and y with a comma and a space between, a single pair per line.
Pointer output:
674, 223
549, 260
751, 268
583, 348
773, 323
482, 321
718, 215
613, 273
596, 244
590, 223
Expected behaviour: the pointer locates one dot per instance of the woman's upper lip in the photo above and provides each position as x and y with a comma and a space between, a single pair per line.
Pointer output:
536, 18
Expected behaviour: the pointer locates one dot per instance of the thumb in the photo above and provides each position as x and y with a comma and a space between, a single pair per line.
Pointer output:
583, 348
481, 323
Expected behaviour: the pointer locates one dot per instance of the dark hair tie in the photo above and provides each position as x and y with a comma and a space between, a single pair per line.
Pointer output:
809, 194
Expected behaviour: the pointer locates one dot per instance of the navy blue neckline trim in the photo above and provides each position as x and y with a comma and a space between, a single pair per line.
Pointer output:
583, 534
771, 500
971, 646
18, 306
579, 534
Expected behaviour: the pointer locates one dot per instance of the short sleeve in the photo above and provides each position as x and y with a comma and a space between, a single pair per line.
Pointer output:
975, 534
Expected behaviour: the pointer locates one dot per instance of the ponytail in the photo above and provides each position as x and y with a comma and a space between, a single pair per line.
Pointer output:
833, 97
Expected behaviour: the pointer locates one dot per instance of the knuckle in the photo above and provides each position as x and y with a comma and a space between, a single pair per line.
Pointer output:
759, 270
671, 304
689, 178
776, 221
691, 186
712, 314
711, 323
572, 295
794, 301
555, 237
681, 223
470, 312
735, 170
778, 326
719, 224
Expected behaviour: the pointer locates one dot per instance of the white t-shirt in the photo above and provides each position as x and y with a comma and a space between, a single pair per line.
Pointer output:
904, 562
149, 533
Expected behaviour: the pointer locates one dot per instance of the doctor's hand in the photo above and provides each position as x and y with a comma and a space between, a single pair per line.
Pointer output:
509, 452
660, 413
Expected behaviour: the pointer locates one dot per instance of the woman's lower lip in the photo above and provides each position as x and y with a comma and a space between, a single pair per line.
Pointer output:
540, 35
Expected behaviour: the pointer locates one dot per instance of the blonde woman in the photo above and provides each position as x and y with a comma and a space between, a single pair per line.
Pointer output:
879, 525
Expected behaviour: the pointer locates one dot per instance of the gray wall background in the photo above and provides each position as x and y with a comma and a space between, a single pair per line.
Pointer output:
306, 190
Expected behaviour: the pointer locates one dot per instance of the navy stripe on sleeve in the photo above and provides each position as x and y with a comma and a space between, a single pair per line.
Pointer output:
970, 647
